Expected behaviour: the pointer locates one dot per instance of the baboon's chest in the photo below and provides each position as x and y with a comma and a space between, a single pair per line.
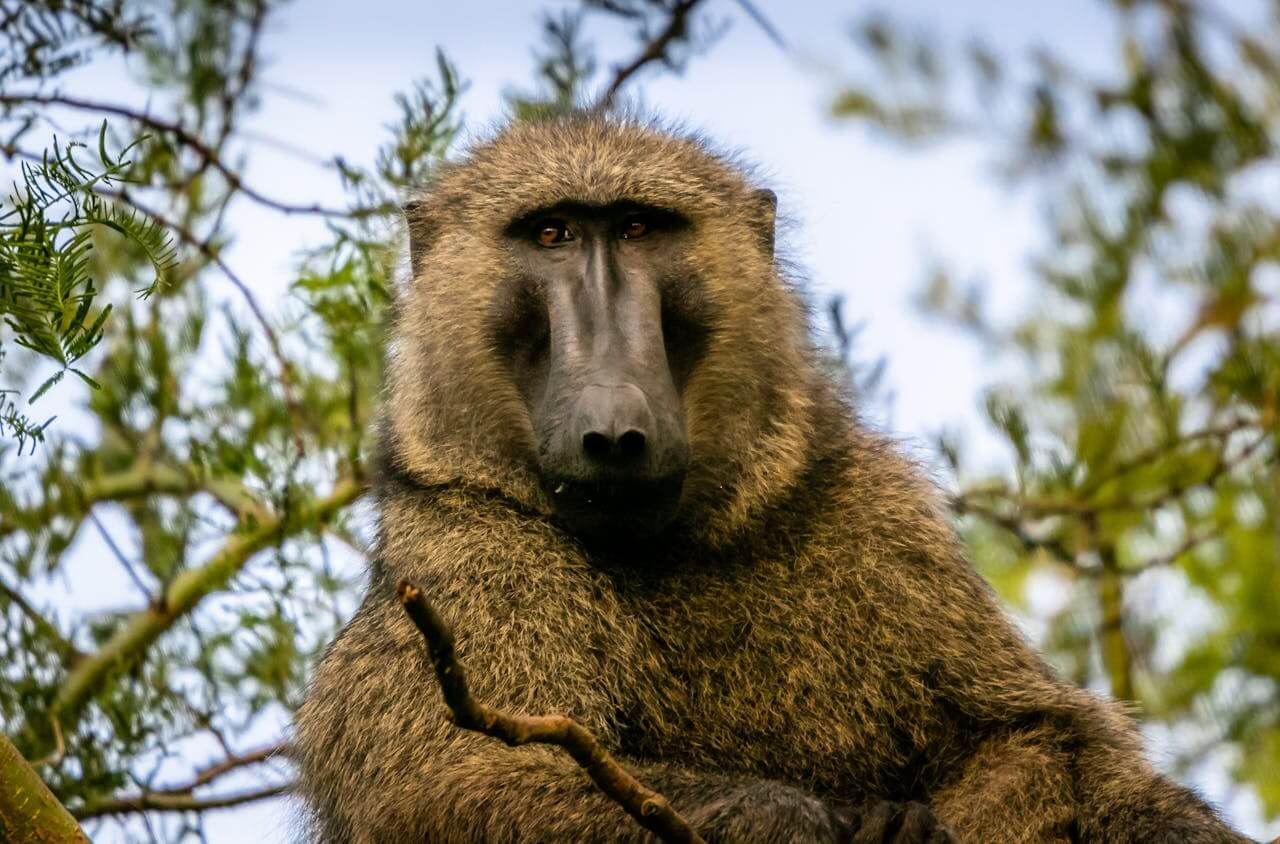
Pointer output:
764, 673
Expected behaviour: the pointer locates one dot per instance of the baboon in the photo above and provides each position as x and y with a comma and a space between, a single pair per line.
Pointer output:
613, 457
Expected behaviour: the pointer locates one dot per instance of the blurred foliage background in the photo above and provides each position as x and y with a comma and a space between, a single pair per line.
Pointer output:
218, 457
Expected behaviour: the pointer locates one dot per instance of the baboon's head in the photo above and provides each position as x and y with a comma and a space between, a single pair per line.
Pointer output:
595, 327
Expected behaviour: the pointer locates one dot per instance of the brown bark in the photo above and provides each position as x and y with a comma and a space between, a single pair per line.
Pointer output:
28, 810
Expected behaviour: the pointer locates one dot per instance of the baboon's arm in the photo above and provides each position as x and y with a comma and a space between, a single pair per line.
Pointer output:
1055, 783
1045, 760
1023, 755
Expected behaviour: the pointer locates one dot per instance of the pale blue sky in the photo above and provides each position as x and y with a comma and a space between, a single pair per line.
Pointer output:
869, 215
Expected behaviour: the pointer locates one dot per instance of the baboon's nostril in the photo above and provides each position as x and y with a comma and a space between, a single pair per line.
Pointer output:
596, 445
631, 444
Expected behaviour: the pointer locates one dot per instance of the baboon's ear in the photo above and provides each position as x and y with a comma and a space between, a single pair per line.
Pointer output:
765, 210
419, 226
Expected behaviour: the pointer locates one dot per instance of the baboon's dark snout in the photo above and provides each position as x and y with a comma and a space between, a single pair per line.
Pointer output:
617, 468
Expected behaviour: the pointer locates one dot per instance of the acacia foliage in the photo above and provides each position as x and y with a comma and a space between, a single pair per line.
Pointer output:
1143, 488
214, 455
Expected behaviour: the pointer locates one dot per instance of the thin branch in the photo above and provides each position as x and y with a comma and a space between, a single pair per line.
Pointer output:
149, 478
273, 340
232, 762
1160, 450
184, 593
158, 802
764, 23
1187, 545
68, 652
1017, 526
1032, 507
59, 746
181, 798
183, 136
654, 50
964, 504
650, 809
124, 561
1117, 655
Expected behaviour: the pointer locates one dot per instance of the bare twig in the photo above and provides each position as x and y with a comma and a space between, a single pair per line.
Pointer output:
206, 248
650, 809
1191, 543
67, 651
183, 136
654, 50
124, 561
764, 23
163, 802
182, 798
232, 762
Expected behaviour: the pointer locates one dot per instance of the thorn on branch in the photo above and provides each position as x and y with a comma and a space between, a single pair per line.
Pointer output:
650, 809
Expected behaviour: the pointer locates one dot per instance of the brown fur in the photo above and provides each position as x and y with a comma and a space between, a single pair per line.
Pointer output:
807, 635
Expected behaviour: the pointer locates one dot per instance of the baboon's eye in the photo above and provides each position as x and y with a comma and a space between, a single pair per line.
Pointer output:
634, 229
552, 232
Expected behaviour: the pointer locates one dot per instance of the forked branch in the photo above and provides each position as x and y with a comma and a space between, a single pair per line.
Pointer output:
656, 49
650, 809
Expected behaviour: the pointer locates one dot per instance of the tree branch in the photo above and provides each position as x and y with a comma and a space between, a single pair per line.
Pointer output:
964, 504
232, 762
1160, 450
67, 651
28, 810
650, 809
1117, 657
1189, 544
655, 50
181, 798
164, 802
766, 26
183, 136
143, 478
1043, 507
190, 587
124, 561
214, 256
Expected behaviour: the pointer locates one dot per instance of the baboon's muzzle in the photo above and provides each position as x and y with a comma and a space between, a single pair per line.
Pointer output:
621, 468
614, 449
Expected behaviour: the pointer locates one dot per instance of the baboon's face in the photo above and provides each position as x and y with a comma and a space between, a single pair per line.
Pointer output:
596, 329
600, 329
